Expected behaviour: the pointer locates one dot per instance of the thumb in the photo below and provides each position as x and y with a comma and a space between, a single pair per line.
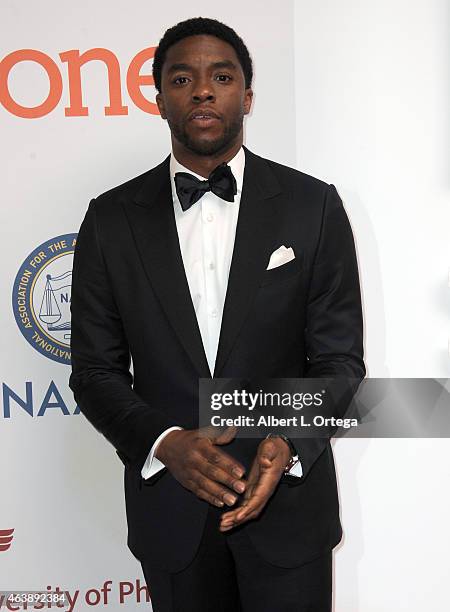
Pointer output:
267, 452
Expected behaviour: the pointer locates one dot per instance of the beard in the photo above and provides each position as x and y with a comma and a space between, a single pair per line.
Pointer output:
207, 147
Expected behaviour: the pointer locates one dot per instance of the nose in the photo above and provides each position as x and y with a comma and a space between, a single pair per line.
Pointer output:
203, 91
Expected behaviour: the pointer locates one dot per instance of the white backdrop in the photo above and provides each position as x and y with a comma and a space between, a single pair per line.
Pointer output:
372, 100
351, 92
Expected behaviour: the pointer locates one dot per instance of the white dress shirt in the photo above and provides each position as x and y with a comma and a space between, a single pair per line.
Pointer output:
206, 233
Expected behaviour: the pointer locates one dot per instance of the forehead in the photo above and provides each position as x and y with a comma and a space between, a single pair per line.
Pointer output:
200, 49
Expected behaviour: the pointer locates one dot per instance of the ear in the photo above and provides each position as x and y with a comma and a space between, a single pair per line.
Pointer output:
248, 97
160, 103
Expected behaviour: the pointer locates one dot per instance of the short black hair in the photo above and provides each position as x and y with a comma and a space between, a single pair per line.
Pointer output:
196, 26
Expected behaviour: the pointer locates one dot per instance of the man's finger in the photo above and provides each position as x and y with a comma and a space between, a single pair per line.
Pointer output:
217, 474
218, 435
254, 504
241, 516
267, 450
219, 458
251, 503
209, 498
252, 484
207, 489
225, 436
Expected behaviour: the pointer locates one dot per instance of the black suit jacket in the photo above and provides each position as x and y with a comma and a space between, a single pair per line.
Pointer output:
130, 297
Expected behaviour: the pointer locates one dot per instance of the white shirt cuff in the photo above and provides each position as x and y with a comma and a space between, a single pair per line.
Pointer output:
296, 470
152, 464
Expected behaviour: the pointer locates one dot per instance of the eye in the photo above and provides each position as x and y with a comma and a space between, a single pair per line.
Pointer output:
181, 80
223, 78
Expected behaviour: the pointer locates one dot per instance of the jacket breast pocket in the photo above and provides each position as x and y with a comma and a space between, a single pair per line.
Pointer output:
280, 273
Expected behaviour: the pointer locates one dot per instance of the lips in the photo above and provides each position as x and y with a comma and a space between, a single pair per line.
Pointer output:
203, 115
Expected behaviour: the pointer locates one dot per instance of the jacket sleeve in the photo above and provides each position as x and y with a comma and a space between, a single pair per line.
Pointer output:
101, 379
334, 322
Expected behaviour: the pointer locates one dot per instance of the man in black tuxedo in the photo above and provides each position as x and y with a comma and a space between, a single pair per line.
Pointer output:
220, 263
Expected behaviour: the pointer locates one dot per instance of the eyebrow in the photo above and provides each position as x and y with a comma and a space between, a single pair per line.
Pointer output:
215, 65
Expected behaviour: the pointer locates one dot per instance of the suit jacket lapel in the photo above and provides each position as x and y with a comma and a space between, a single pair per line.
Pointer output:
153, 224
255, 232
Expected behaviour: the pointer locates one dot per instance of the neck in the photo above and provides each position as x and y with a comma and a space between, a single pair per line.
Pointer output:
203, 165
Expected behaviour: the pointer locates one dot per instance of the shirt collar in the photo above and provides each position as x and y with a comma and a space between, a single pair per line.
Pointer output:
237, 165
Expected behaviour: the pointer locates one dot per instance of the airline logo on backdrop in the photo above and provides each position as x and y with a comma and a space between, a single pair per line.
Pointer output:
69, 65
41, 297
6, 538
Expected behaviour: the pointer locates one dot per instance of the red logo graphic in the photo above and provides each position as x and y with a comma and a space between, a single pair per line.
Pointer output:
75, 61
6, 537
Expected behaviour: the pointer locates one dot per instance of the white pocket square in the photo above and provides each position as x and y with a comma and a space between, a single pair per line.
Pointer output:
280, 257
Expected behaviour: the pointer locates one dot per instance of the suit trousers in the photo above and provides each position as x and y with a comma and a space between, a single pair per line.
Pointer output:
228, 575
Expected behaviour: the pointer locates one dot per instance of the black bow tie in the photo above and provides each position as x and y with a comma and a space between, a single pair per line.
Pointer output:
190, 189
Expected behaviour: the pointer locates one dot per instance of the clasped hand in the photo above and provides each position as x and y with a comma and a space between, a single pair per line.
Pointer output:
195, 459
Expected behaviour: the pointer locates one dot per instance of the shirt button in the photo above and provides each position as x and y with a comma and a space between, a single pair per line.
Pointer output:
214, 313
210, 217
211, 266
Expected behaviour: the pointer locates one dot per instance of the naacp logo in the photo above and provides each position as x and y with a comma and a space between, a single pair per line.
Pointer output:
41, 297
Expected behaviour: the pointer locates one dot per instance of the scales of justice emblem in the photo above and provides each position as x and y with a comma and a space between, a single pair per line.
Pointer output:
56, 295
41, 297
50, 298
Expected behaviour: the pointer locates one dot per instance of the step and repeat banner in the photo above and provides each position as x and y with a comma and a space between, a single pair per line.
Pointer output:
78, 117
355, 93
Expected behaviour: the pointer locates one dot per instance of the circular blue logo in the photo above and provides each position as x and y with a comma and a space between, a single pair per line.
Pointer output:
41, 297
